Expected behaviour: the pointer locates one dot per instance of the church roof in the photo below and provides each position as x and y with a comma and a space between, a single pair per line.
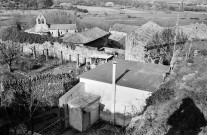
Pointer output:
63, 27
131, 74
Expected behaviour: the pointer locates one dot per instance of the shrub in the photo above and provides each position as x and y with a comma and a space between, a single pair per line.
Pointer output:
165, 93
13, 34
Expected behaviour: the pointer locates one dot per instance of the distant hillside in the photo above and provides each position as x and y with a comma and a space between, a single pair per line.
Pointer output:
124, 2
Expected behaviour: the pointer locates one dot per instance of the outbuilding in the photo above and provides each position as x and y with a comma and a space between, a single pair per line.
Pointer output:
109, 4
83, 111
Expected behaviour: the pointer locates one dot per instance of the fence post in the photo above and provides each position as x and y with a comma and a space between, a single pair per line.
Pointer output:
34, 52
47, 54
61, 57
77, 61
70, 57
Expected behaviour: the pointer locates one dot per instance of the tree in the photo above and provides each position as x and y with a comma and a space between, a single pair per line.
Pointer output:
44, 3
161, 46
31, 96
9, 52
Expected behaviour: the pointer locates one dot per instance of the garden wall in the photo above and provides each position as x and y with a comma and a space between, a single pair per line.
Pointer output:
68, 52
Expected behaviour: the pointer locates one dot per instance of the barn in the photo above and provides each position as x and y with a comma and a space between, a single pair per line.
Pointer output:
109, 4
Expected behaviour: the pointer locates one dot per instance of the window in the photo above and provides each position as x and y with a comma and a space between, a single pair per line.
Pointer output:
39, 21
42, 21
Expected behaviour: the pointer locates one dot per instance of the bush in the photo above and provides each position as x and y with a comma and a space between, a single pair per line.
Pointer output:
165, 93
15, 35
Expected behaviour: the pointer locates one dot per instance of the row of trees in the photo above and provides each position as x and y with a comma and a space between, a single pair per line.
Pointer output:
26, 4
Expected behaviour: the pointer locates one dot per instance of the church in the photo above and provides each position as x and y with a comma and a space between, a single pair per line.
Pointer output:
56, 30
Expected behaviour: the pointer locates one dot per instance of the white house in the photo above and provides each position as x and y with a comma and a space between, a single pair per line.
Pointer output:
123, 86
42, 28
126, 86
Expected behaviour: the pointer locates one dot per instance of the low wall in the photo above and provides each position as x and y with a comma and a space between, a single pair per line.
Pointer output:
56, 48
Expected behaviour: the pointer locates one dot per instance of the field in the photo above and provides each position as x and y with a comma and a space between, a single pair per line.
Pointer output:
105, 17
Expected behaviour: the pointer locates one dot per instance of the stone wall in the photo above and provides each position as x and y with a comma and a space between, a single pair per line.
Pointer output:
55, 50
134, 50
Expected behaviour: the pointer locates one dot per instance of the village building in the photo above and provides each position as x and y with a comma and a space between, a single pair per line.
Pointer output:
118, 34
196, 31
122, 29
56, 30
137, 40
95, 37
123, 86
109, 4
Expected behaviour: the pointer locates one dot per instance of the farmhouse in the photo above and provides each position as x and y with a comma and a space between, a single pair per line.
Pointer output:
118, 34
195, 31
109, 4
122, 29
56, 30
138, 39
94, 37
123, 86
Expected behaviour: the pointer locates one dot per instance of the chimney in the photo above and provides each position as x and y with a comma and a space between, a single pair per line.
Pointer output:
113, 91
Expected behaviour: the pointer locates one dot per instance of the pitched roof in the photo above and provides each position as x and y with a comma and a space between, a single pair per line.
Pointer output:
195, 31
132, 74
76, 38
146, 31
63, 26
94, 33
116, 37
124, 27
86, 36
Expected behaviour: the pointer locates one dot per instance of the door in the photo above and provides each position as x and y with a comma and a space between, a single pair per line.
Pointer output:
86, 120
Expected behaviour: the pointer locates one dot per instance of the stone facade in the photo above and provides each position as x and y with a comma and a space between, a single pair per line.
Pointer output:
68, 53
42, 28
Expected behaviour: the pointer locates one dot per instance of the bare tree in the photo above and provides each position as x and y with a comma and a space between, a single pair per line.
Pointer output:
9, 52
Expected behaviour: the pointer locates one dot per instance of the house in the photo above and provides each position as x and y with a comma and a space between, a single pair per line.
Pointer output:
195, 31
109, 4
94, 37
123, 86
132, 81
137, 40
81, 109
117, 41
118, 34
122, 29
42, 28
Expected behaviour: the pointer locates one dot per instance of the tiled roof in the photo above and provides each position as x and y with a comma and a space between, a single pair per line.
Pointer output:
123, 28
195, 31
76, 38
132, 74
146, 31
63, 26
94, 33
116, 37
86, 36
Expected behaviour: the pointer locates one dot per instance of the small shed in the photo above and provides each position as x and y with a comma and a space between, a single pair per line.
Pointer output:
83, 111
109, 4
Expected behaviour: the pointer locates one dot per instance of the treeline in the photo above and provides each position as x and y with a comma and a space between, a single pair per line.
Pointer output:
15, 35
26, 4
